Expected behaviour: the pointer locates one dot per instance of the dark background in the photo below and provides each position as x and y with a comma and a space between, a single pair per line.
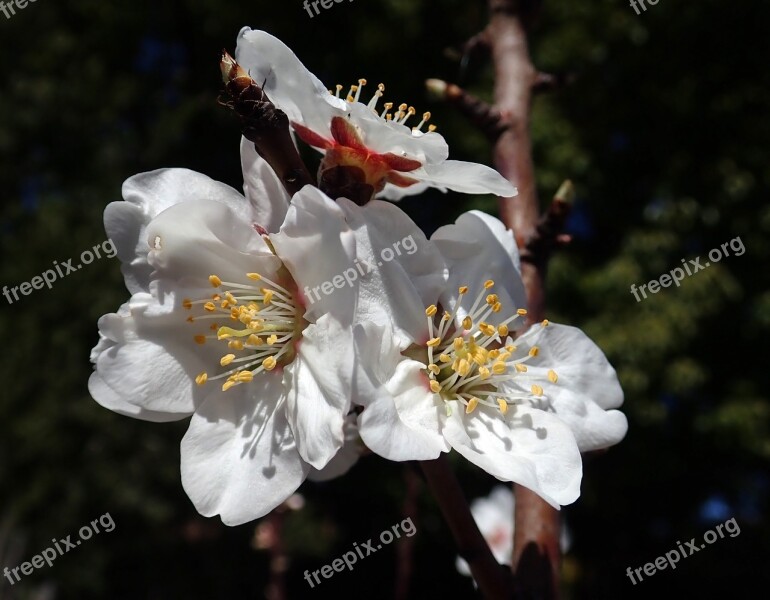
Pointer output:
664, 133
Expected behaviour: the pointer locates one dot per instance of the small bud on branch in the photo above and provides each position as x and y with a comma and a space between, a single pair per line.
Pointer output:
263, 124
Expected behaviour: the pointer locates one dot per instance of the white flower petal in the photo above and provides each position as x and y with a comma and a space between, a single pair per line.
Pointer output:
347, 456
465, 177
319, 381
110, 399
587, 386
316, 244
404, 272
401, 419
146, 195
288, 84
527, 446
239, 459
395, 193
388, 137
262, 188
199, 238
150, 361
476, 248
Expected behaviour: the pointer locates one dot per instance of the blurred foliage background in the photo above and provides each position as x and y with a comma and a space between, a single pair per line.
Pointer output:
665, 134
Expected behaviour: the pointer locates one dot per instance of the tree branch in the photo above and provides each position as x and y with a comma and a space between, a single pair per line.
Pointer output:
494, 580
405, 550
264, 124
479, 113
536, 555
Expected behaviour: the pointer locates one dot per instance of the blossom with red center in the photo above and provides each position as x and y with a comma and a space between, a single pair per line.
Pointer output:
370, 148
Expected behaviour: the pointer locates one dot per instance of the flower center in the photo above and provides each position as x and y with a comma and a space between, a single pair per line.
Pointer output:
401, 116
263, 325
471, 363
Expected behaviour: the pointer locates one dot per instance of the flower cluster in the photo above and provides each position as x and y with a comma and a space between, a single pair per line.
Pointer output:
415, 358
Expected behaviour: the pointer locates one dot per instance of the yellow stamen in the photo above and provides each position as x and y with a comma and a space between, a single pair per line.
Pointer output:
209, 306
467, 323
488, 284
537, 390
201, 378
503, 405
534, 351
472, 404
432, 343
552, 376
521, 312
521, 368
215, 281
254, 276
226, 359
487, 329
269, 363
431, 310
499, 368
463, 290
435, 386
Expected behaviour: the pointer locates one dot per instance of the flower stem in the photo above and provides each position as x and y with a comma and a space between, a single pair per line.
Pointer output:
494, 580
264, 124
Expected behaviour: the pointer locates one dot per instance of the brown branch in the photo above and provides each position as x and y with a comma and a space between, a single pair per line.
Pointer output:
536, 554
405, 550
549, 82
479, 113
264, 124
548, 232
494, 580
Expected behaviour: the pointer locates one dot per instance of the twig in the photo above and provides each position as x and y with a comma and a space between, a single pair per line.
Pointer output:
264, 124
548, 82
548, 232
479, 113
405, 549
494, 580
